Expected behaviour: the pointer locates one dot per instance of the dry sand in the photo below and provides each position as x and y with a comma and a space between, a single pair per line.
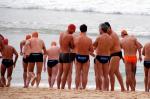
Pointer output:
45, 93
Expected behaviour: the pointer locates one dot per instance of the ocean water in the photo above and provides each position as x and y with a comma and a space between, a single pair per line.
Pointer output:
49, 22
102, 6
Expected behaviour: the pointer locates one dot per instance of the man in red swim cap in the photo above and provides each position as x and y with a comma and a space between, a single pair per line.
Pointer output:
7, 62
66, 44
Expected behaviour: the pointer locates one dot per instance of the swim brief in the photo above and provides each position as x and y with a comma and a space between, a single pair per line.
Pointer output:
82, 58
35, 57
72, 56
147, 64
52, 63
103, 59
7, 62
64, 58
26, 59
117, 54
130, 59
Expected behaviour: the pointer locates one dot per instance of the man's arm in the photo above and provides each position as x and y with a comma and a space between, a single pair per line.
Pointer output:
22, 43
139, 47
143, 51
95, 44
16, 57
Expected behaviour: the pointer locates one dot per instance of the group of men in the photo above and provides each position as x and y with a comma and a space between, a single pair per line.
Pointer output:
76, 49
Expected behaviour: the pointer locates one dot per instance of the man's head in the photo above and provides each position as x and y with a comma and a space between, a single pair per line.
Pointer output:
5, 41
103, 28
28, 37
109, 31
123, 33
53, 43
35, 34
71, 28
83, 28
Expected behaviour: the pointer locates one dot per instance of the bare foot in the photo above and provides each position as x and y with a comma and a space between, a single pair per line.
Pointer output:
33, 81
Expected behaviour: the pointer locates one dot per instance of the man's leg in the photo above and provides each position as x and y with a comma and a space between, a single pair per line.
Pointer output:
39, 70
78, 75
54, 74
105, 74
85, 71
111, 73
129, 75
117, 72
146, 78
9, 74
60, 72
3, 70
49, 70
25, 65
30, 73
69, 78
66, 69
96, 76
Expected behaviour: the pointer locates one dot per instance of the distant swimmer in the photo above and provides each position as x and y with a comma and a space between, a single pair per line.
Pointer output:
103, 45
38, 48
146, 53
83, 47
25, 51
8, 63
66, 44
116, 55
52, 63
130, 46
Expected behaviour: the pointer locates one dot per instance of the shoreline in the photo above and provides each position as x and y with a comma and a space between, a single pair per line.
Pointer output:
46, 93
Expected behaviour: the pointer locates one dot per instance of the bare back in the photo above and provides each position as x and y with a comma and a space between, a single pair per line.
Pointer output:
116, 43
83, 45
146, 51
66, 42
8, 51
36, 45
103, 45
129, 45
53, 52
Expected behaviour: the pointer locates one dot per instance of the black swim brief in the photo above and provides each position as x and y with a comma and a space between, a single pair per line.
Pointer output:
26, 59
147, 64
72, 56
117, 54
35, 57
64, 58
103, 59
52, 63
7, 62
82, 58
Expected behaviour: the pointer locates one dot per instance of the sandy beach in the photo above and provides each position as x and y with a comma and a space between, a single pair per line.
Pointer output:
45, 93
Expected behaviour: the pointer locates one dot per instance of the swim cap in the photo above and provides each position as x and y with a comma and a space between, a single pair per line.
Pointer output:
71, 27
5, 41
28, 37
34, 34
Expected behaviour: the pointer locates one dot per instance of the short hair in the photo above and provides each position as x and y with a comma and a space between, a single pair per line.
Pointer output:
83, 28
104, 27
107, 23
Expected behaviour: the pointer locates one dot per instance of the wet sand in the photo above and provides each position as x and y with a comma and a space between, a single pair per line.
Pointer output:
45, 93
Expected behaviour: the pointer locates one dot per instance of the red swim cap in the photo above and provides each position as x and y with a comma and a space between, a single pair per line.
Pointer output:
71, 27
28, 37
5, 41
